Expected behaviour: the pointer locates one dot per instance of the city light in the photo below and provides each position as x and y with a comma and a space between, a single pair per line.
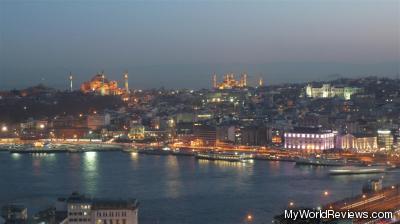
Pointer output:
249, 217
235, 114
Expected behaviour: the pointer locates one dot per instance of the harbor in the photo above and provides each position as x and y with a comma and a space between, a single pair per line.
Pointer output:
161, 180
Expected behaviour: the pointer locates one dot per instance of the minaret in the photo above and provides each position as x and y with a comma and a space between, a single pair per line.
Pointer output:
126, 82
244, 79
214, 81
70, 82
260, 82
103, 77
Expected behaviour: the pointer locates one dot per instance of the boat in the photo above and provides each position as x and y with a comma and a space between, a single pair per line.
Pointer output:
40, 148
182, 152
130, 149
275, 158
319, 161
155, 151
224, 156
356, 170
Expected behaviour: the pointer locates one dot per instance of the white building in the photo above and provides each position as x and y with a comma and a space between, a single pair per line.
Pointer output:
311, 139
84, 210
328, 91
359, 142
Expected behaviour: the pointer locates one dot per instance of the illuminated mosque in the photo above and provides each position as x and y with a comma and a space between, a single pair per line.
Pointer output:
229, 82
99, 84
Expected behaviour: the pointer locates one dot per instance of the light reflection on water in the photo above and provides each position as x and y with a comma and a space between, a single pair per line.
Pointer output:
134, 156
175, 189
90, 172
15, 156
173, 184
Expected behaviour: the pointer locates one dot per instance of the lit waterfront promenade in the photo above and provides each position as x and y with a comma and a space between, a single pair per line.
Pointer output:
98, 145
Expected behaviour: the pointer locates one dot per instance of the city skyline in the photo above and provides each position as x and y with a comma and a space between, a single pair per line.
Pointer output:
199, 111
188, 41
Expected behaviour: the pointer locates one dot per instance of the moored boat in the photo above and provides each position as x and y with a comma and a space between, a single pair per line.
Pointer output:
318, 161
155, 151
356, 170
230, 157
182, 152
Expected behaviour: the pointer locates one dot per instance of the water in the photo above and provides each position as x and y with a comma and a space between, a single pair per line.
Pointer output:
174, 189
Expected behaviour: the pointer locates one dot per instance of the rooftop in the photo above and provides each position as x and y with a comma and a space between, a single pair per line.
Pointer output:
103, 203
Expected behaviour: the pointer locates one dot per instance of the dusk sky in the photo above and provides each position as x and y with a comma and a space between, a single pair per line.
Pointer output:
181, 43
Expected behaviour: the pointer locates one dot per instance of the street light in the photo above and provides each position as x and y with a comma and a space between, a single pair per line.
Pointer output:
326, 193
249, 218
4, 128
291, 204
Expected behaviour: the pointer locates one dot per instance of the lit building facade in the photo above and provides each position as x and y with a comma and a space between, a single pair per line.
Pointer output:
385, 139
358, 142
328, 91
99, 84
229, 81
84, 210
309, 139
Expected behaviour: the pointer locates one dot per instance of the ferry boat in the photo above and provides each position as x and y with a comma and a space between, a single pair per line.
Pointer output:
155, 151
283, 158
356, 170
230, 157
183, 152
319, 161
39, 148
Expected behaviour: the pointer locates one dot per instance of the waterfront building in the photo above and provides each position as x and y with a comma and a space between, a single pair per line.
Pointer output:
252, 135
310, 139
276, 136
13, 213
136, 132
206, 134
385, 139
361, 143
226, 133
329, 91
85, 210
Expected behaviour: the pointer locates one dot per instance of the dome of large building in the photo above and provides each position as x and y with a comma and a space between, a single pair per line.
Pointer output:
99, 84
